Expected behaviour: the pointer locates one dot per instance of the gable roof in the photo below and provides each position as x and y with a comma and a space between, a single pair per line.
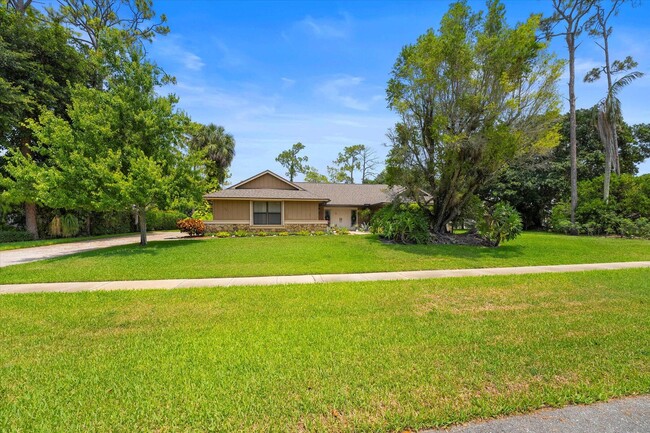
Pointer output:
236, 191
265, 172
335, 194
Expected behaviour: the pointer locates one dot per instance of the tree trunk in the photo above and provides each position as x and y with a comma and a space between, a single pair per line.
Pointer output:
30, 219
88, 224
570, 40
142, 217
608, 174
611, 148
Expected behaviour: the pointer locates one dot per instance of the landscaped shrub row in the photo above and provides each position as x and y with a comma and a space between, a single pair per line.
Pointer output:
247, 234
409, 224
14, 236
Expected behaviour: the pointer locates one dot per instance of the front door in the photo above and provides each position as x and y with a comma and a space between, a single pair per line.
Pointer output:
342, 216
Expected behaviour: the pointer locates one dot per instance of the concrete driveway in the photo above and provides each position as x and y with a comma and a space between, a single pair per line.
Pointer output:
26, 255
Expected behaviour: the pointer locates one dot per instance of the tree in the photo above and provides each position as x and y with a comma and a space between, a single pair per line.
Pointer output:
20, 5
216, 148
573, 14
471, 98
533, 185
368, 165
641, 133
91, 18
118, 151
293, 163
312, 175
37, 66
346, 163
129, 21
609, 109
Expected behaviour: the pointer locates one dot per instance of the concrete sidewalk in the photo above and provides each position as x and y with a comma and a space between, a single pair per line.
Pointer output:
626, 415
307, 279
33, 254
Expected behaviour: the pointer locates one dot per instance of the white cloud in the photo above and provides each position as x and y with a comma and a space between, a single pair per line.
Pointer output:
192, 61
229, 57
327, 28
171, 48
339, 90
208, 103
287, 82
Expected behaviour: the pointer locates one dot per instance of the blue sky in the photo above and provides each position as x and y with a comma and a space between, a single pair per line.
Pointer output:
277, 72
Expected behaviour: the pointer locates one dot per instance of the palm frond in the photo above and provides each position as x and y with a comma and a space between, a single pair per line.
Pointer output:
624, 81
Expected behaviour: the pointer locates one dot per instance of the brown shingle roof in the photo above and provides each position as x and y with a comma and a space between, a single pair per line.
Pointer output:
335, 194
341, 194
275, 194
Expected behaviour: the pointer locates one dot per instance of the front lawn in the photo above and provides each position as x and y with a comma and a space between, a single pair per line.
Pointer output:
236, 257
380, 356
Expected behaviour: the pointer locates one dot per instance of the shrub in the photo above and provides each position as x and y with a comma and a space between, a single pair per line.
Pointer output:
15, 236
222, 235
319, 233
283, 233
69, 225
191, 226
241, 234
164, 219
303, 233
402, 223
262, 234
108, 223
342, 231
364, 216
54, 228
503, 223
624, 214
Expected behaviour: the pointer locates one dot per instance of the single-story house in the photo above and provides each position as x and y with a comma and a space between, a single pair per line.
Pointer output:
269, 202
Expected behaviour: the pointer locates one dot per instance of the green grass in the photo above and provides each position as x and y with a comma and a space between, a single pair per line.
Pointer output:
6, 246
233, 257
380, 357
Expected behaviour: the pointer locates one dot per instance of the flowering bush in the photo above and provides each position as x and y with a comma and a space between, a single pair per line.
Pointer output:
191, 226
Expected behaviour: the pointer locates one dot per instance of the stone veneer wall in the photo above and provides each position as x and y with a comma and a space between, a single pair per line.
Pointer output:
214, 227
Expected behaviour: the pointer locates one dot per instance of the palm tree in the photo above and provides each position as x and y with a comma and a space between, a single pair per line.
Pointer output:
609, 112
218, 148
609, 108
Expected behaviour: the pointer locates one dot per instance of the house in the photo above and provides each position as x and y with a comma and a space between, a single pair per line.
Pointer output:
269, 202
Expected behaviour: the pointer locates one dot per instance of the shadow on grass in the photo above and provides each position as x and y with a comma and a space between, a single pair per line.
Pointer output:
468, 252
132, 250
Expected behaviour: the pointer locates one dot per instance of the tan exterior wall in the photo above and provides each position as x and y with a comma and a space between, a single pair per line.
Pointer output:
231, 210
300, 211
266, 182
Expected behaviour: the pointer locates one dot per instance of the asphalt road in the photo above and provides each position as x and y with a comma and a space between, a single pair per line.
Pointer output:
626, 415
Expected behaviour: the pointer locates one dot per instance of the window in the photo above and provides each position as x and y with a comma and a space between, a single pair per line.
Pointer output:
267, 213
